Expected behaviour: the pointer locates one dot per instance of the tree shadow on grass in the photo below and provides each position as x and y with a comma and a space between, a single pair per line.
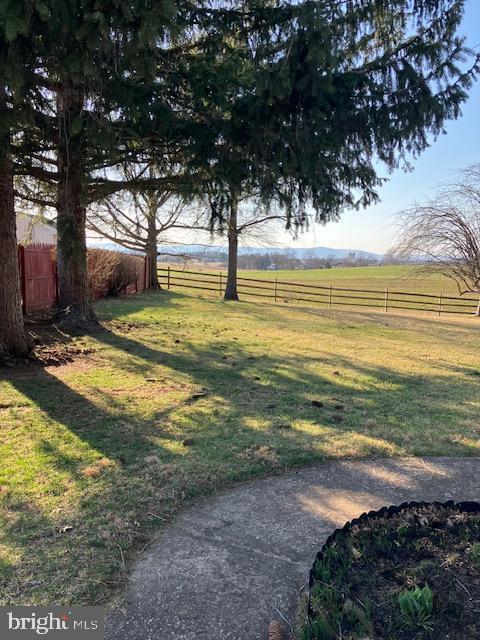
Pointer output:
108, 431
413, 413
239, 414
75, 493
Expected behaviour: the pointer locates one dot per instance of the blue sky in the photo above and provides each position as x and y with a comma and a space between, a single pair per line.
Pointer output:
373, 229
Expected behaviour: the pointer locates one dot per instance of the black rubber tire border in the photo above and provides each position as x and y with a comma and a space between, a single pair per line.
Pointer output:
466, 506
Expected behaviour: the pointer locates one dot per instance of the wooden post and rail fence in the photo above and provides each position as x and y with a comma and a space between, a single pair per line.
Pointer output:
328, 295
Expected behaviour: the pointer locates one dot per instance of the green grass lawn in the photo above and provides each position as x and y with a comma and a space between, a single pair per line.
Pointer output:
183, 395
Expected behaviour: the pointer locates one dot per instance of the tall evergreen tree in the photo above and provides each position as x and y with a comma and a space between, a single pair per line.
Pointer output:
13, 338
98, 59
17, 19
298, 100
294, 101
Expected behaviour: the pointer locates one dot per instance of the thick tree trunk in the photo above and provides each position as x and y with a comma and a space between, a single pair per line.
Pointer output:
13, 337
231, 288
74, 296
152, 275
152, 253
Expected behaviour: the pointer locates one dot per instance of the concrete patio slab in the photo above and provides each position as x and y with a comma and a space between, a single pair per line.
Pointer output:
233, 562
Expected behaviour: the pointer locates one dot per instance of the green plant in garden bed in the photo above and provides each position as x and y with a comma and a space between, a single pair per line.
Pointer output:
475, 554
416, 608
371, 579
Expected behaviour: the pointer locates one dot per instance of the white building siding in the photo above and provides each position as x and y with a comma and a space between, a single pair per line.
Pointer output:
33, 231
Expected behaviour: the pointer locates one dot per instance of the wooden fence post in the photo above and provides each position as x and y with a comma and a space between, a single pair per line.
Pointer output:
23, 284
386, 300
330, 297
440, 302
168, 277
275, 294
220, 283
55, 276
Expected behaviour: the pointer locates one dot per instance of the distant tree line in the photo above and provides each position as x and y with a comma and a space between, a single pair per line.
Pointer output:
265, 260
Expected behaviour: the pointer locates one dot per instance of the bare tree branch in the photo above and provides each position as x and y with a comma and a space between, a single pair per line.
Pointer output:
443, 234
139, 216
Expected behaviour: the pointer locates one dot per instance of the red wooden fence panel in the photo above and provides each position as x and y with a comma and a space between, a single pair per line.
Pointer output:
38, 275
141, 270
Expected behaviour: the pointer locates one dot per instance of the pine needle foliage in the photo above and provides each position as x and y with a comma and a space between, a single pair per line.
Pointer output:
297, 101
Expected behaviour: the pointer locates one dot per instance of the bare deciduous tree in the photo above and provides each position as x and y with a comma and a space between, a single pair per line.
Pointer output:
443, 234
140, 219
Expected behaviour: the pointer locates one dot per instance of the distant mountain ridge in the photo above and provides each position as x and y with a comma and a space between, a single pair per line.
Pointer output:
297, 252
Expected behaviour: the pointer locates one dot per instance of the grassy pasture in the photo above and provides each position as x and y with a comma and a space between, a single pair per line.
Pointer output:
395, 278
183, 395
402, 277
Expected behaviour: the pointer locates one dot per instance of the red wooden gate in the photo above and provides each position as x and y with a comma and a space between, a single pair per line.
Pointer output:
38, 276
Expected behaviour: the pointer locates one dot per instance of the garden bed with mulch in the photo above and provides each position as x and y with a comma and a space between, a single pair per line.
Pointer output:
402, 573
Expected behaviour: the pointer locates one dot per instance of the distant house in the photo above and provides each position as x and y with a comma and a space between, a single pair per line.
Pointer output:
35, 230
272, 267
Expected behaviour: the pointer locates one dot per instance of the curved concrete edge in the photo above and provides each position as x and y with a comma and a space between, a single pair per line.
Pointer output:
233, 562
